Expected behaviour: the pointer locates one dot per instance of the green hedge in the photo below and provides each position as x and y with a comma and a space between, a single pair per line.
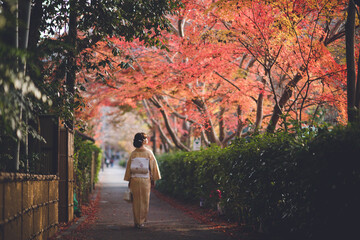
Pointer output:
82, 166
290, 185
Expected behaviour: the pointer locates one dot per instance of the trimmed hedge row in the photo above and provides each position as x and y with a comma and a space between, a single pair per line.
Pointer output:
300, 186
83, 154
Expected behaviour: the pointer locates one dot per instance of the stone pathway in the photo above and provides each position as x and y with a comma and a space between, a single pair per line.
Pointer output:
115, 221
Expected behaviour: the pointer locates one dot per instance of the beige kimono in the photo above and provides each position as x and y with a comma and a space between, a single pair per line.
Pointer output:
140, 183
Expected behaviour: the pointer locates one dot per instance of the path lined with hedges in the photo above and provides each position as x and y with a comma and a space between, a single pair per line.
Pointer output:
114, 217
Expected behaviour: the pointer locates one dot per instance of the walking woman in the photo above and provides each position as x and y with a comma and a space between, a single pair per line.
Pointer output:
141, 171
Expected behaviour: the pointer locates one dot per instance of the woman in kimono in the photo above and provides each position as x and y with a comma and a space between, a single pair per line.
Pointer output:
141, 171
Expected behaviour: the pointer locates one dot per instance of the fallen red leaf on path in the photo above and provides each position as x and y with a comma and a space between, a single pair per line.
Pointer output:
88, 210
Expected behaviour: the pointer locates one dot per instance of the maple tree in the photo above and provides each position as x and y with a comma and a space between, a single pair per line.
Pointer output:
289, 39
229, 65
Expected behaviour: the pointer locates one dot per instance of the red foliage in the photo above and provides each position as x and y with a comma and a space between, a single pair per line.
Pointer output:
228, 53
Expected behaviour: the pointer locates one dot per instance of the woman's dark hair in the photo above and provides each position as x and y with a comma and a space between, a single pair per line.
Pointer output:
139, 139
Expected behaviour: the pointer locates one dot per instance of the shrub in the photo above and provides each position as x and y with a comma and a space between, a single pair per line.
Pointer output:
290, 185
83, 154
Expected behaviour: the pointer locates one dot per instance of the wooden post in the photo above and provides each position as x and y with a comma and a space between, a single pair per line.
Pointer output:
66, 175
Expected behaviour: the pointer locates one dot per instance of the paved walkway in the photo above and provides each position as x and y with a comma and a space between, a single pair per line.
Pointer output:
115, 221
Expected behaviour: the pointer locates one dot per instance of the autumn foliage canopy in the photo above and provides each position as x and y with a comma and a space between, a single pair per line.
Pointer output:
227, 68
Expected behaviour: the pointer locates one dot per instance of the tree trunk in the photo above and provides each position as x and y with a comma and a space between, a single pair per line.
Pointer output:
186, 136
357, 91
23, 40
221, 124
71, 61
173, 136
209, 126
17, 37
35, 23
350, 61
163, 136
166, 141
241, 124
181, 25
165, 144
171, 132
204, 138
239, 129
259, 107
24, 23
283, 100
154, 140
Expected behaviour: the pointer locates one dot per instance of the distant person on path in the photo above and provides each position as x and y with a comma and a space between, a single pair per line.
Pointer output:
141, 171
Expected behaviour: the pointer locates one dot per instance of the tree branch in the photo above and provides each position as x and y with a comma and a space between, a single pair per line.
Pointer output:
209, 126
227, 80
171, 132
162, 134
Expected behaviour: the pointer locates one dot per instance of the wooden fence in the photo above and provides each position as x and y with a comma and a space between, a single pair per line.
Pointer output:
28, 206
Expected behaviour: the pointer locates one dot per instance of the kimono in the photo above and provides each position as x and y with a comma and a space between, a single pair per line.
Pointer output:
141, 169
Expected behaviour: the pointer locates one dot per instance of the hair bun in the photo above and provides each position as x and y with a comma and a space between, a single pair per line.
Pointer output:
139, 139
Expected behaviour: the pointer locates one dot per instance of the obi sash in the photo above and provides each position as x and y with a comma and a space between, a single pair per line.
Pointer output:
139, 167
